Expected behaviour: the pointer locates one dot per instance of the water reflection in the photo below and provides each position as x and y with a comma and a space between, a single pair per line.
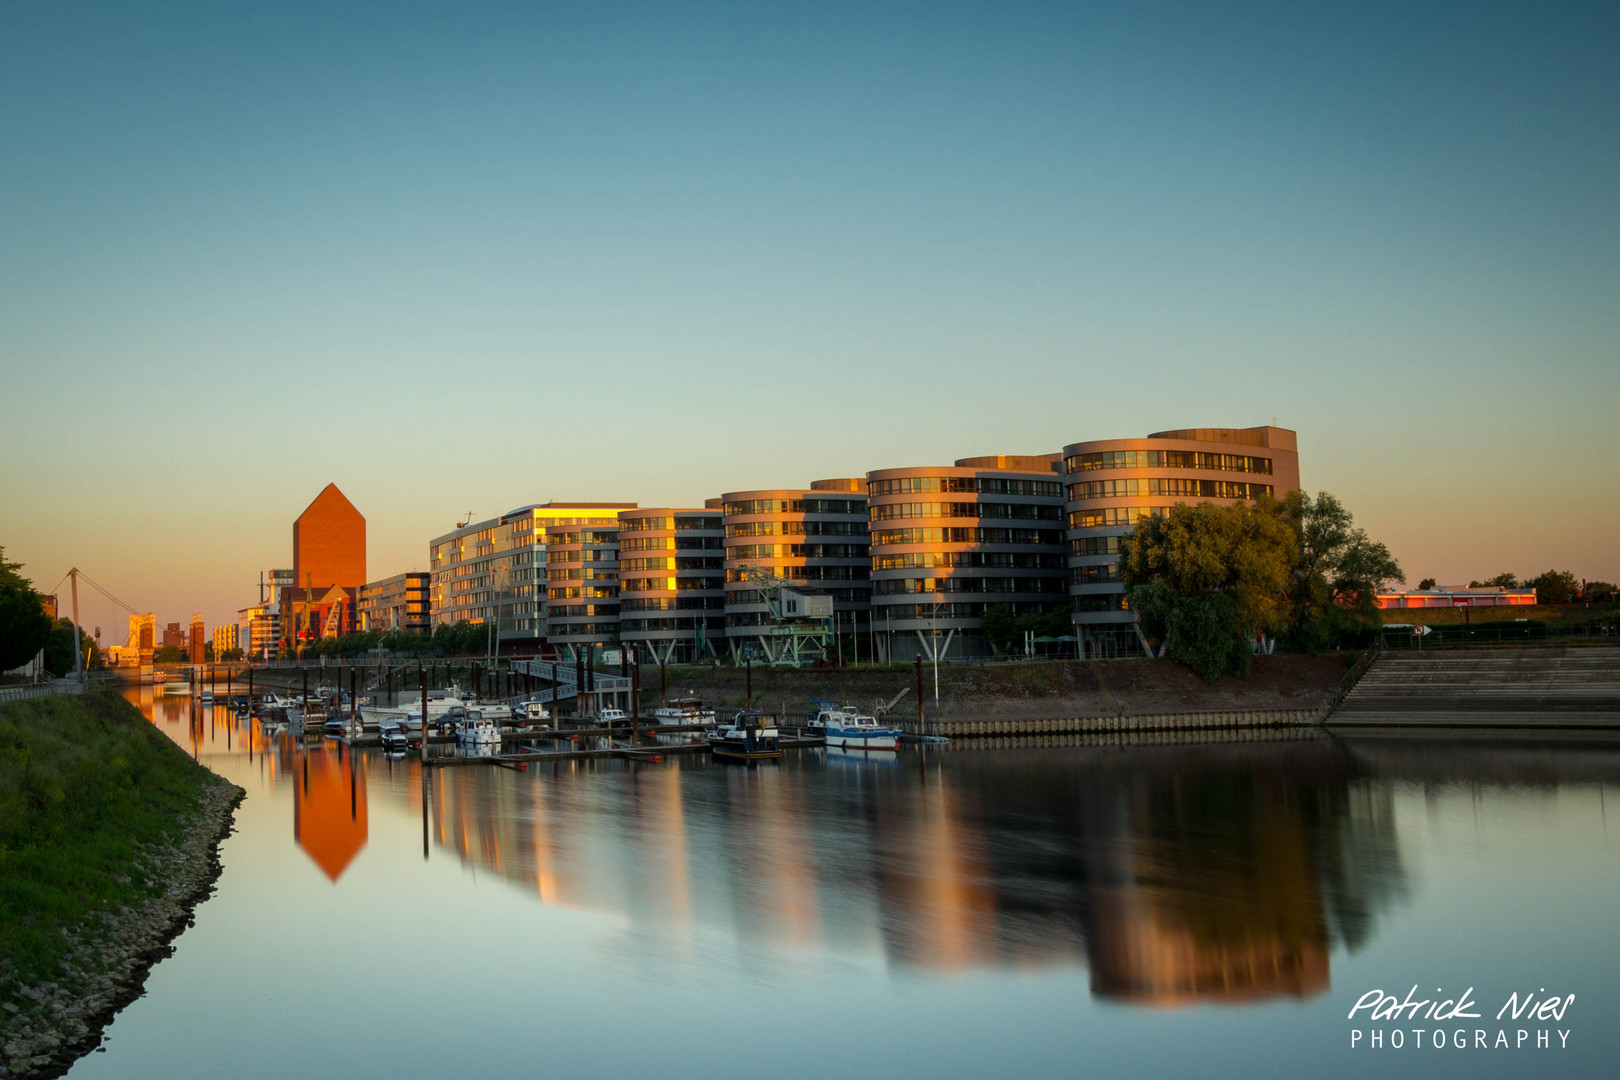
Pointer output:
1204, 874
1174, 875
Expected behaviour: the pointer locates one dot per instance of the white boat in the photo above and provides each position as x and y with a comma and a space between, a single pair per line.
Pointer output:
534, 712
439, 709
207, 697
751, 736
394, 738
479, 731
609, 717
850, 729
173, 688
685, 711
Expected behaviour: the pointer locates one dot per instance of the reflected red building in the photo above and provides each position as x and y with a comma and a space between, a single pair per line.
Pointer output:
329, 807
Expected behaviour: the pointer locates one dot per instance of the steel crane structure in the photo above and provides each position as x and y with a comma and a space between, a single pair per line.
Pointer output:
800, 627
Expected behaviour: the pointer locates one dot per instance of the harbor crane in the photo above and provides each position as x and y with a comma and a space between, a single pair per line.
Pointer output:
800, 626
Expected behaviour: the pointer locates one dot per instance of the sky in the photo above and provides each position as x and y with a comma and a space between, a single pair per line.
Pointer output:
460, 258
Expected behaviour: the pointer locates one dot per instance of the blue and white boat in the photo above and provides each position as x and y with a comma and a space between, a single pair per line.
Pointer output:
850, 729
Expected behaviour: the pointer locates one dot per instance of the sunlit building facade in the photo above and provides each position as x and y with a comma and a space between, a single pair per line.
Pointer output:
582, 587
949, 542
815, 537
495, 570
400, 602
1112, 483
672, 583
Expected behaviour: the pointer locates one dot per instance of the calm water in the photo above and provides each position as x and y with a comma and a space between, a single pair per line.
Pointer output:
1154, 911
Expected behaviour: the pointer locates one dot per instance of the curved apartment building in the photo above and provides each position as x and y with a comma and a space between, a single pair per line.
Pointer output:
948, 542
672, 583
582, 586
813, 537
1110, 483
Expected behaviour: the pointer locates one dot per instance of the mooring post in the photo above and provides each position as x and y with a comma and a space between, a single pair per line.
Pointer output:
919, 698
424, 731
749, 679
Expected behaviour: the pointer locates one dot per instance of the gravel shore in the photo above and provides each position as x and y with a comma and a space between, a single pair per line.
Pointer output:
45, 1028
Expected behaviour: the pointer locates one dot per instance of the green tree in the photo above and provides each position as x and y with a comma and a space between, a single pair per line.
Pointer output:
1338, 574
1554, 587
1426, 583
169, 654
24, 626
1503, 580
59, 648
1599, 592
1000, 626
1205, 580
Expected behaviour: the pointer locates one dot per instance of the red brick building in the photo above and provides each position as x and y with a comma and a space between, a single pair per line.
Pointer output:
329, 543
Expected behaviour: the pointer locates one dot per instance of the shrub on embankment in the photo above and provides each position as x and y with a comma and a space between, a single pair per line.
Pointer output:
86, 786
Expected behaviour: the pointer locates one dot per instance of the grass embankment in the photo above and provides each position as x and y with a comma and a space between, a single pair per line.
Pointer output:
86, 787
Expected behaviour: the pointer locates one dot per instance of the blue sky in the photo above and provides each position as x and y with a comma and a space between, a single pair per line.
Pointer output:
474, 257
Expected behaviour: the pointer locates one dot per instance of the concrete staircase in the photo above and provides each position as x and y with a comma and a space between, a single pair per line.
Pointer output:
1532, 687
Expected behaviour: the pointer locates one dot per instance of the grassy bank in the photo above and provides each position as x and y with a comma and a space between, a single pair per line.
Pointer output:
86, 786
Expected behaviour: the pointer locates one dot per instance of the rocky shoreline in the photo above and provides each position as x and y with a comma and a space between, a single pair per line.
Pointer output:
45, 1028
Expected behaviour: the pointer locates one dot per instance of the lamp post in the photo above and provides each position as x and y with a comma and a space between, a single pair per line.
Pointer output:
933, 631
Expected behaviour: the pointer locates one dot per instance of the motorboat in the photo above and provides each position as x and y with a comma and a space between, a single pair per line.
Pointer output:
684, 711
534, 713
750, 736
852, 730
336, 725
478, 730
394, 738
176, 688
440, 704
207, 697
611, 717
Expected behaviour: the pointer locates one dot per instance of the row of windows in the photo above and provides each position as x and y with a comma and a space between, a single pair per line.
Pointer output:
1094, 545
587, 592
676, 603
966, 536
1029, 511
812, 573
568, 573
647, 524
1167, 459
584, 555
584, 630
956, 610
796, 528
746, 552
668, 584
645, 626
666, 563
860, 595
1114, 515
556, 537
1093, 575
903, 586
671, 543
1167, 485
930, 560
796, 506
981, 485
1110, 601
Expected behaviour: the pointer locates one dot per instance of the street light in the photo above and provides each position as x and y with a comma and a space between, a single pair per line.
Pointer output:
934, 637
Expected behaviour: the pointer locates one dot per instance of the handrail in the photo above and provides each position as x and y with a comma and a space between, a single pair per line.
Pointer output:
1352, 677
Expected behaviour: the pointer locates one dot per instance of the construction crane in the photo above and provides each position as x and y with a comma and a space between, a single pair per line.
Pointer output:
800, 629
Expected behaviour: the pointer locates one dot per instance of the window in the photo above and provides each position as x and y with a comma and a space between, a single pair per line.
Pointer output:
1167, 485
1167, 459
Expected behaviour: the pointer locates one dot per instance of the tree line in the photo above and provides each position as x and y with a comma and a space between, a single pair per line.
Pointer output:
1209, 583
1552, 587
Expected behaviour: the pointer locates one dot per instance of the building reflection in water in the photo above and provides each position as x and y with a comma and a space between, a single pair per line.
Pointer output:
329, 803
1178, 875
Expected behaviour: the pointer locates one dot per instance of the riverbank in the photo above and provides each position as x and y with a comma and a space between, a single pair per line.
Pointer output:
109, 837
1034, 690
